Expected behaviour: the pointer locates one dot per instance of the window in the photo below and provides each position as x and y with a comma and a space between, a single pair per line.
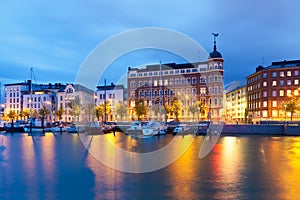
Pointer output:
296, 82
216, 101
281, 93
202, 90
265, 93
155, 83
216, 90
289, 82
265, 84
281, 74
281, 83
288, 73
194, 80
288, 93
216, 78
274, 93
274, 113
166, 81
274, 104
188, 81
202, 80
264, 75
274, 83
296, 73
265, 104
274, 74
296, 92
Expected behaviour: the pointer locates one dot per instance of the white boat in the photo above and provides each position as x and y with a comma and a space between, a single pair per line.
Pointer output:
154, 128
135, 127
181, 128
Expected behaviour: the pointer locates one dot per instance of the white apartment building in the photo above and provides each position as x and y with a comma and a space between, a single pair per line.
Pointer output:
69, 94
13, 97
112, 95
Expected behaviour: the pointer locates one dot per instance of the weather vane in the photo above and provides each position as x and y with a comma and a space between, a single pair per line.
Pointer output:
215, 36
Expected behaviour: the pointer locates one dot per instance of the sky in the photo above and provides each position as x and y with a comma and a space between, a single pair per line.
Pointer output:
55, 37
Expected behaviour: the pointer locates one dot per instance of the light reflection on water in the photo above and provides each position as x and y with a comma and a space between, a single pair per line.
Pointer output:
58, 167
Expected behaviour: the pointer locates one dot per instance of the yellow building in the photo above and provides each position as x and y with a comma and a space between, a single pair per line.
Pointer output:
235, 105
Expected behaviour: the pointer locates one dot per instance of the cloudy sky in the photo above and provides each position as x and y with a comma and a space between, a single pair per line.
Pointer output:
55, 37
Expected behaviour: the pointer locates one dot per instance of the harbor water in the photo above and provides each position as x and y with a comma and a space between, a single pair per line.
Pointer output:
58, 166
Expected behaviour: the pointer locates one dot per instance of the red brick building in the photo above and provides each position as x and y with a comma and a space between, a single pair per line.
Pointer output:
270, 88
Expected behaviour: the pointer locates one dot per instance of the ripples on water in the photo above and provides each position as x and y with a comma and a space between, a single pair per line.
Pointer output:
59, 167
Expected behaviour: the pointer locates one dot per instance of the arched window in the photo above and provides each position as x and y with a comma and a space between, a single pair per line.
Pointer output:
216, 101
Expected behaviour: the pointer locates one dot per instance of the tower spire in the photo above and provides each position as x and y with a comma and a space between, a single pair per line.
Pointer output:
215, 42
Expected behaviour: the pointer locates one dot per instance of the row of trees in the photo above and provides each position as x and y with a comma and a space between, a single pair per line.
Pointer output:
173, 110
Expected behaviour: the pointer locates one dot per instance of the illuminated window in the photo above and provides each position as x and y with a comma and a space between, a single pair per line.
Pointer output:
296, 82
289, 82
265, 113
288, 73
296, 92
274, 103
265, 84
281, 93
274, 113
166, 81
274, 83
288, 93
281, 74
265, 104
202, 90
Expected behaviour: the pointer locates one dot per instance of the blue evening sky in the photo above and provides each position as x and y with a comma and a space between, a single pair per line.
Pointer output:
54, 37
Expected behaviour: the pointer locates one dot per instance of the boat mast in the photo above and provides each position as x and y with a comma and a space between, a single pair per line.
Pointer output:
151, 100
30, 89
160, 90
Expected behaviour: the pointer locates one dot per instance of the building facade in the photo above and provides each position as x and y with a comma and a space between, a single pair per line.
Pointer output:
77, 101
19, 97
235, 105
158, 85
271, 88
111, 95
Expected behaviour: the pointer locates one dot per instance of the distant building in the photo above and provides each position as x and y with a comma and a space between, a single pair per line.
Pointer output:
111, 95
19, 96
235, 105
269, 90
158, 85
77, 101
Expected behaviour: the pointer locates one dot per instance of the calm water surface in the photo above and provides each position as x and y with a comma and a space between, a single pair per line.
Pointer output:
59, 167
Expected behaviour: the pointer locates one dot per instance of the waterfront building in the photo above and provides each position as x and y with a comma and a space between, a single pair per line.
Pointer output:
111, 95
235, 105
19, 97
13, 97
159, 84
77, 101
270, 89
